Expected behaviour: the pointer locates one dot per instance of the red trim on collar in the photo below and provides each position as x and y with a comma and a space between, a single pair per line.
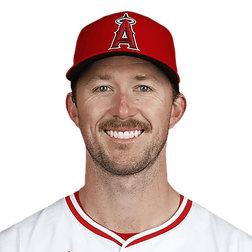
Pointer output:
144, 238
166, 229
76, 195
126, 236
87, 225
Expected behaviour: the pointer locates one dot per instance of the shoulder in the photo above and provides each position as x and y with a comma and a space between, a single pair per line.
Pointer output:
39, 223
214, 230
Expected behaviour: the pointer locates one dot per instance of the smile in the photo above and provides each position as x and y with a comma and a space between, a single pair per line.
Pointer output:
124, 134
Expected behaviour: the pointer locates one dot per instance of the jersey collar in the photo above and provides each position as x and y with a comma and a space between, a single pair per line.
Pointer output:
75, 207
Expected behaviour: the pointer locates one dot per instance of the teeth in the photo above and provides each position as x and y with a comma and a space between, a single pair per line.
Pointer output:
124, 135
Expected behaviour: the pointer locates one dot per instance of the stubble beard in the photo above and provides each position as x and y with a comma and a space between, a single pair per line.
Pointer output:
130, 165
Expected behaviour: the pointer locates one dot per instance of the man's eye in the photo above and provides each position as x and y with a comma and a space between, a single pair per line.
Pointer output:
144, 88
102, 89
106, 88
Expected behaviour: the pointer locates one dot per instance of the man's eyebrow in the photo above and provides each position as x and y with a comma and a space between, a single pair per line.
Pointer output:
99, 77
138, 77
144, 77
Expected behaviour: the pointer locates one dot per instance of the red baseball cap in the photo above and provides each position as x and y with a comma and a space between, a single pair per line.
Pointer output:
125, 33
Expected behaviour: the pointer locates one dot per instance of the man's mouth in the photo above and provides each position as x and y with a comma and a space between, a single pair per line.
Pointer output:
124, 134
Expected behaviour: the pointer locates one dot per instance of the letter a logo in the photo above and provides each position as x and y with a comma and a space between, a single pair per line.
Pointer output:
125, 33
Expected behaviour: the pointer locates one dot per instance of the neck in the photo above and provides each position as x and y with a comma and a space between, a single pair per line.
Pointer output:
129, 204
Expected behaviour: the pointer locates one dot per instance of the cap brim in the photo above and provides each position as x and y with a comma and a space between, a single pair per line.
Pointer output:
77, 69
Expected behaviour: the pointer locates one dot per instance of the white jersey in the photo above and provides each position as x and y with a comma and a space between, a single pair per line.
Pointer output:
65, 227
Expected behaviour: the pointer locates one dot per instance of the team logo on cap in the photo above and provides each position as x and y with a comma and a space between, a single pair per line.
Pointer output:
124, 34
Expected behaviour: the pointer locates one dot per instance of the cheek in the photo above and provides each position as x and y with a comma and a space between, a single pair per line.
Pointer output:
92, 111
98, 107
156, 106
157, 111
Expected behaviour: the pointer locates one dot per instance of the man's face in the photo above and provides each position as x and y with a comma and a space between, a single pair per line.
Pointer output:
124, 106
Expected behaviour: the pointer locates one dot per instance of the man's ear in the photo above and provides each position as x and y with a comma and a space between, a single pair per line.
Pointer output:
72, 109
178, 109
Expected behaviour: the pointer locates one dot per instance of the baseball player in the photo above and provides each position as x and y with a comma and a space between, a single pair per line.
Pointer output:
125, 98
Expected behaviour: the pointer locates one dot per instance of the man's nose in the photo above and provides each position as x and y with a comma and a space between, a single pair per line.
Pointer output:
123, 106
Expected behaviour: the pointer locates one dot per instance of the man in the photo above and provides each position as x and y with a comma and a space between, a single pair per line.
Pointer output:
125, 98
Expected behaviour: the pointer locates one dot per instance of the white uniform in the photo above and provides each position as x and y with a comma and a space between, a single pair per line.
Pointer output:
65, 227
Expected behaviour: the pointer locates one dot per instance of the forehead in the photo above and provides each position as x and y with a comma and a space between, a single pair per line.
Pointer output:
123, 64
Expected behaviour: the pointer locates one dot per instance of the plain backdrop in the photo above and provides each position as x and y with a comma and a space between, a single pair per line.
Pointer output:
209, 151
